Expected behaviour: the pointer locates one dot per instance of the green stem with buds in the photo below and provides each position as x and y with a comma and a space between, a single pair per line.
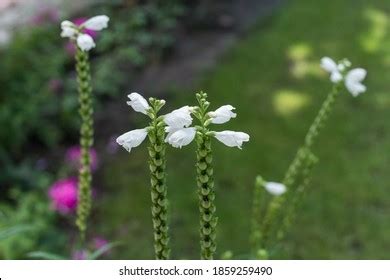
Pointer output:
205, 182
300, 166
157, 164
86, 141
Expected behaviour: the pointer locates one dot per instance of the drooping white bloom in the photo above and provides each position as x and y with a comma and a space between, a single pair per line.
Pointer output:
275, 188
138, 103
68, 32
181, 137
353, 81
179, 118
85, 42
330, 66
232, 138
96, 23
132, 138
223, 114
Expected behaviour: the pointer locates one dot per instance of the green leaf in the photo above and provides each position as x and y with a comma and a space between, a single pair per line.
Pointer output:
103, 250
15, 230
45, 256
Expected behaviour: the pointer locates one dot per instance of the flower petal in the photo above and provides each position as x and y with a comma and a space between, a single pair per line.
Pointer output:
356, 75
328, 64
353, 81
85, 42
179, 118
96, 23
223, 114
275, 188
181, 137
232, 138
132, 138
68, 32
138, 103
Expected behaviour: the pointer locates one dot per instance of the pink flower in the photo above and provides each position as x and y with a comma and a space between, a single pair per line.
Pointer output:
99, 242
73, 155
63, 195
80, 21
80, 255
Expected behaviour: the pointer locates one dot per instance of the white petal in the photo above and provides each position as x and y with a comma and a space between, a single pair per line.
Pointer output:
275, 188
328, 65
67, 23
353, 81
132, 138
223, 114
356, 75
97, 23
179, 118
336, 77
138, 103
85, 42
181, 137
68, 32
232, 138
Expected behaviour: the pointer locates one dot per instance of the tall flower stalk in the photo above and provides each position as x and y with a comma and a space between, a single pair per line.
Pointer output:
84, 43
157, 146
179, 137
281, 209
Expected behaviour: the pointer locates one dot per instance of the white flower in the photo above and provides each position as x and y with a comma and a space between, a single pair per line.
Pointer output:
85, 42
181, 137
132, 138
96, 23
353, 81
232, 138
67, 24
275, 188
223, 114
179, 118
138, 103
330, 66
68, 32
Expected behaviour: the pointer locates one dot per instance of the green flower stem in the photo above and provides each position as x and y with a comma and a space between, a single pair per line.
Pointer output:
257, 213
157, 164
297, 167
205, 182
86, 140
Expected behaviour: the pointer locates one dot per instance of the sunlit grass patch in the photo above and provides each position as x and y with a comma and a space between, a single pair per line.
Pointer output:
373, 40
288, 102
302, 62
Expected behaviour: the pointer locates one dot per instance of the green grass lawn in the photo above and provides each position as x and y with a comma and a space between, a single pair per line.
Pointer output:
273, 79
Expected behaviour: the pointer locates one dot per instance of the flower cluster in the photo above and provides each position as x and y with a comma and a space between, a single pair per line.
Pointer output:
338, 72
180, 134
80, 33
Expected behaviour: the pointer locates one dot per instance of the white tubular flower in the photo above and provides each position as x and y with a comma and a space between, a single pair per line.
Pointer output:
353, 81
179, 118
138, 103
132, 138
68, 32
223, 114
96, 23
181, 137
67, 23
232, 138
331, 67
275, 188
85, 42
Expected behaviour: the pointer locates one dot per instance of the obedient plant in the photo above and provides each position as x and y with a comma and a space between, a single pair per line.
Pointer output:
157, 162
84, 42
270, 223
180, 134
